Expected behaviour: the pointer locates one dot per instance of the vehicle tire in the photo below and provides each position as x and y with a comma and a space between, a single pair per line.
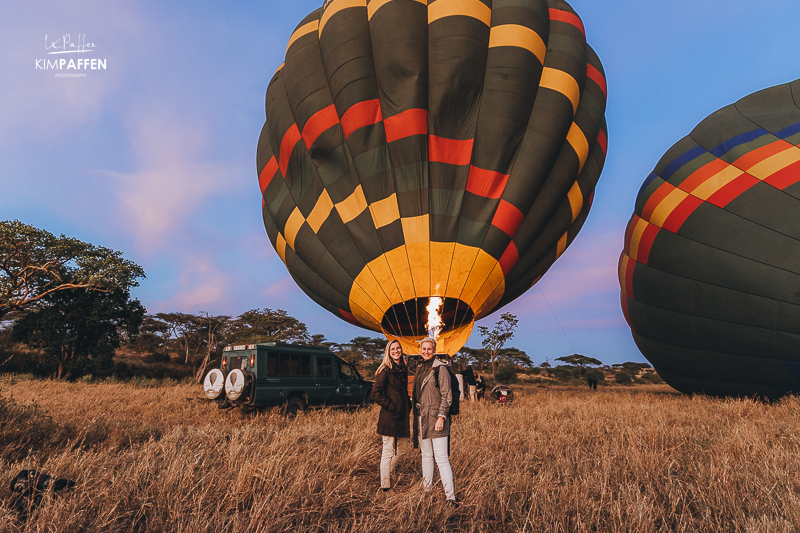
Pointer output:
214, 385
502, 394
367, 400
294, 407
237, 384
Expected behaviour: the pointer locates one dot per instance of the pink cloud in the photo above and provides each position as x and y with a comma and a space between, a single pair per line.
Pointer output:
588, 268
171, 182
199, 284
281, 291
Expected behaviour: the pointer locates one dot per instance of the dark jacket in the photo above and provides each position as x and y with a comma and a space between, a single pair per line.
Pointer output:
469, 375
390, 391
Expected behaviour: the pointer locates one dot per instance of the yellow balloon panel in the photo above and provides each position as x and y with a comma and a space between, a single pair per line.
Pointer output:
421, 270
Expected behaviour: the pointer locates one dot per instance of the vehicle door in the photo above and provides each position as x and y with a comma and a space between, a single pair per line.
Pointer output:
324, 391
349, 389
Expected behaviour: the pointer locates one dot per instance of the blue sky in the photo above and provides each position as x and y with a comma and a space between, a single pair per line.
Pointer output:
155, 156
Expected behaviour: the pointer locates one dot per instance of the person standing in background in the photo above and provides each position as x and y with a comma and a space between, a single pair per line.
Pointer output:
469, 379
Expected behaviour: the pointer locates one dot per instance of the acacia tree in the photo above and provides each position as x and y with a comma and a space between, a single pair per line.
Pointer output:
477, 357
154, 336
629, 368
580, 366
78, 330
364, 352
318, 339
212, 327
35, 264
266, 325
495, 339
370, 348
515, 356
184, 329
579, 360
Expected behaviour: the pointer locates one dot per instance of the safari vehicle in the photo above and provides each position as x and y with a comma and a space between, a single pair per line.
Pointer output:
295, 376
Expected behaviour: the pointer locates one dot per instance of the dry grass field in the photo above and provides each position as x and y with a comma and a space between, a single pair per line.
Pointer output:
559, 459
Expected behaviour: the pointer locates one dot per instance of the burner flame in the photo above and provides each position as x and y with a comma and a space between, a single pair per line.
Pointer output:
435, 322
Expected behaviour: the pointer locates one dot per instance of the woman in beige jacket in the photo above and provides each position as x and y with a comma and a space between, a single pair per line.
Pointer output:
432, 398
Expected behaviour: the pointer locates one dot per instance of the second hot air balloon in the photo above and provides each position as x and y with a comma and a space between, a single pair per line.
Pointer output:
418, 149
710, 272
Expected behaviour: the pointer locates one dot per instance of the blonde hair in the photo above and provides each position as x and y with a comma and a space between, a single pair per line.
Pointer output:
430, 340
387, 359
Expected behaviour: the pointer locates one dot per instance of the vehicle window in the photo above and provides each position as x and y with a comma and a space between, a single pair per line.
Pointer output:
346, 371
305, 365
324, 367
286, 364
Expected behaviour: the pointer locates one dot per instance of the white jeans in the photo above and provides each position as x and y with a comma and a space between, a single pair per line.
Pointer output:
393, 448
437, 448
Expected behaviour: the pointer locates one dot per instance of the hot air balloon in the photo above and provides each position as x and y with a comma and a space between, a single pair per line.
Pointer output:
416, 149
710, 272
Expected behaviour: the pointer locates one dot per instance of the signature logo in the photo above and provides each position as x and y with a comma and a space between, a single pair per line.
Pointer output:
67, 45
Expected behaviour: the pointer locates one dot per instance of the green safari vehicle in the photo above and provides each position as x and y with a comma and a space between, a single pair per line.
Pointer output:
295, 376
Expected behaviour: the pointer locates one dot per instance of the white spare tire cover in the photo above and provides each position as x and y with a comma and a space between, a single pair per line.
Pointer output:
214, 384
234, 384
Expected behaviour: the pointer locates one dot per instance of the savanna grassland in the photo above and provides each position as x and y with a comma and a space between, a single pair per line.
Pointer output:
156, 458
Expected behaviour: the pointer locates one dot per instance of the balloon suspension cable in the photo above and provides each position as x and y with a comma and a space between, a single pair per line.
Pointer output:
557, 321
465, 317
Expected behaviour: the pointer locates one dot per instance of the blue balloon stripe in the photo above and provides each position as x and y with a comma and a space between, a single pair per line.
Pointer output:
647, 182
722, 149
788, 131
742, 138
681, 160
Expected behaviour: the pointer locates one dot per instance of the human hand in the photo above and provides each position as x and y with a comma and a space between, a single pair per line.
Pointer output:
439, 424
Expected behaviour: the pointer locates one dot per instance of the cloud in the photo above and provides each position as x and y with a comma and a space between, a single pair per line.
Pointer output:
281, 291
171, 183
199, 283
588, 269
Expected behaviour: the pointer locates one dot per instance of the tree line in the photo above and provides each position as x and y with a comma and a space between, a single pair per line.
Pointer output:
66, 308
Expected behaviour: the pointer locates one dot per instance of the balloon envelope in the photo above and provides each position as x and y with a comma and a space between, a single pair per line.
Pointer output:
414, 149
710, 272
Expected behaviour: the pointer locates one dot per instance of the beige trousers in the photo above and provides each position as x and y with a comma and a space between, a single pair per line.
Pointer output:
393, 448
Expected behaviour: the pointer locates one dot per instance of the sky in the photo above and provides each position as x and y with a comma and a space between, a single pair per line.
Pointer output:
154, 155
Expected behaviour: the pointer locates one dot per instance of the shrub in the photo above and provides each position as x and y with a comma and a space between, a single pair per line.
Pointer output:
595, 374
566, 372
506, 373
623, 378
159, 357
651, 376
26, 427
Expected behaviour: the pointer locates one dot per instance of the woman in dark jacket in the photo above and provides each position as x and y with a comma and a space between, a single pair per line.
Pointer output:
390, 391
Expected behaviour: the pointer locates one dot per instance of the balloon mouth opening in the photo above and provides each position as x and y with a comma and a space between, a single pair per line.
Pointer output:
410, 318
